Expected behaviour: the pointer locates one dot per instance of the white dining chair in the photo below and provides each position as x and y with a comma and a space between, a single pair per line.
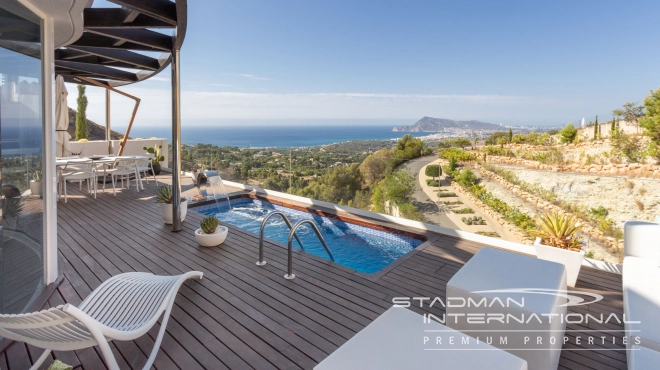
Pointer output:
123, 168
146, 165
78, 171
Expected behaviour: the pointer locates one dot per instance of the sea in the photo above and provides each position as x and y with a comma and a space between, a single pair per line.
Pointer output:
249, 136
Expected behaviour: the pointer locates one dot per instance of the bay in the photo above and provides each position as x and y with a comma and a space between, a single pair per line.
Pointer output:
272, 136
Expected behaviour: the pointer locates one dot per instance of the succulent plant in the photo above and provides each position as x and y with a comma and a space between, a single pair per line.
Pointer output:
209, 224
156, 152
164, 195
557, 230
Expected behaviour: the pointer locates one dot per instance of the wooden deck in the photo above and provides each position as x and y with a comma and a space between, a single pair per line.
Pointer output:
242, 316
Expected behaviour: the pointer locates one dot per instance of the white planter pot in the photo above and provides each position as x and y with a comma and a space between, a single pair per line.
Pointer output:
571, 260
35, 187
211, 240
166, 211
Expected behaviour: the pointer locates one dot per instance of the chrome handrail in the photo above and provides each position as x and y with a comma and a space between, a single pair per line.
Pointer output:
290, 274
261, 261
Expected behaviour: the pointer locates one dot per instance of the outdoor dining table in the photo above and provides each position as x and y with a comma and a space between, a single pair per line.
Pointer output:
103, 161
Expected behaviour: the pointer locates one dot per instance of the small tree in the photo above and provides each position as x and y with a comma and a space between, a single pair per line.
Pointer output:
510, 135
631, 113
568, 133
462, 142
81, 114
651, 121
433, 170
613, 128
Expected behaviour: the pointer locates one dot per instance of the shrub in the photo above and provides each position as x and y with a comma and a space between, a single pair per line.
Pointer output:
430, 182
568, 133
410, 211
463, 210
600, 212
474, 220
492, 234
451, 203
639, 204
467, 178
446, 195
458, 154
630, 147
433, 170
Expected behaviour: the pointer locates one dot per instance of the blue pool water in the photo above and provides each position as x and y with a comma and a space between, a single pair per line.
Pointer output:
358, 247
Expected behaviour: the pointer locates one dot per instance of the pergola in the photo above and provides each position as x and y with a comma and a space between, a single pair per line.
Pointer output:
118, 47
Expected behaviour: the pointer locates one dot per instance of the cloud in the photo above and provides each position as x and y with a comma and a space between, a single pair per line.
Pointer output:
246, 75
210, 105
159, 79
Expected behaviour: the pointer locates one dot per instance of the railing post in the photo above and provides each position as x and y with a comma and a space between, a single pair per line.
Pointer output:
289, 266
176, 143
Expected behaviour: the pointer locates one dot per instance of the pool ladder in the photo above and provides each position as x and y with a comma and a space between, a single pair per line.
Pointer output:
292, 233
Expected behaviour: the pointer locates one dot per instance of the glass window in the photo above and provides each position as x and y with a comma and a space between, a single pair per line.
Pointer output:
21, 134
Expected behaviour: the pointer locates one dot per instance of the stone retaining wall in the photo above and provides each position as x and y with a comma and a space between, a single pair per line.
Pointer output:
636, 170
614, 246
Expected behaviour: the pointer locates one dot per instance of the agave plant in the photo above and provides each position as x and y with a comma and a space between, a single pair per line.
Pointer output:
557, 230
209, 224
164, 195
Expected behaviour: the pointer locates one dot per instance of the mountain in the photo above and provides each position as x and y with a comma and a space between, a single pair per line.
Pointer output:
96, 131
430, 124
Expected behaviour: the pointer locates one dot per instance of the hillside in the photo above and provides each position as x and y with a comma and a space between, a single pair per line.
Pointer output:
430, 124
96, 131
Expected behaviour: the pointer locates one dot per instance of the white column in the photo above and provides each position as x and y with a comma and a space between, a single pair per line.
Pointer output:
49, 171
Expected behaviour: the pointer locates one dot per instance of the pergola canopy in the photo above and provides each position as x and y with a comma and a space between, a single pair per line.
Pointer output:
112, 47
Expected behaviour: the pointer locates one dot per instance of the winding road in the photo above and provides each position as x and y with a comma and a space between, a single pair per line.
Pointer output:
429, 208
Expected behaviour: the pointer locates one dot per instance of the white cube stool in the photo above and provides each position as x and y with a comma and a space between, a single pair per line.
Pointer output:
401, 339
642, 358
489, 298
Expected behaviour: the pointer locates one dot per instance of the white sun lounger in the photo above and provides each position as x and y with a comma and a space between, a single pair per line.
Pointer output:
124, 307
399, 339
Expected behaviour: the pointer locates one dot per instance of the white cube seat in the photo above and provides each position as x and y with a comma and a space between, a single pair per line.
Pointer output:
641, 301
489, 297
396, 340
641, 358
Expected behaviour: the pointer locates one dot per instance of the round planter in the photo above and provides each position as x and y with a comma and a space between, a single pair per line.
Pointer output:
571, 260
211, 240
35, 188
166, 211
156, 170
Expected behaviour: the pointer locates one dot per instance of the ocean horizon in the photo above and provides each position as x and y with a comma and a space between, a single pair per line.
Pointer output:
285, 136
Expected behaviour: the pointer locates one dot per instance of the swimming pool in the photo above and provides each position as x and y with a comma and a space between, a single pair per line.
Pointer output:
358, 247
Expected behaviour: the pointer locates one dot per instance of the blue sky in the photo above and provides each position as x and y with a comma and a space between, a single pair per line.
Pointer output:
516, 62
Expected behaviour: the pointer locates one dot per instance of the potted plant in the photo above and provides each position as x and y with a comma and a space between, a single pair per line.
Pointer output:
156, 159
164, 197
556, 241
210, 233
35, 183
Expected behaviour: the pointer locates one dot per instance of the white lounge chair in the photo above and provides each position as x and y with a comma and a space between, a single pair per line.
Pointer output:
124, 307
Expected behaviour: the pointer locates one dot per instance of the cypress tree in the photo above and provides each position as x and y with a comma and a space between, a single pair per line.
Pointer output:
596, 129
510, 135
81, 114
613, 128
